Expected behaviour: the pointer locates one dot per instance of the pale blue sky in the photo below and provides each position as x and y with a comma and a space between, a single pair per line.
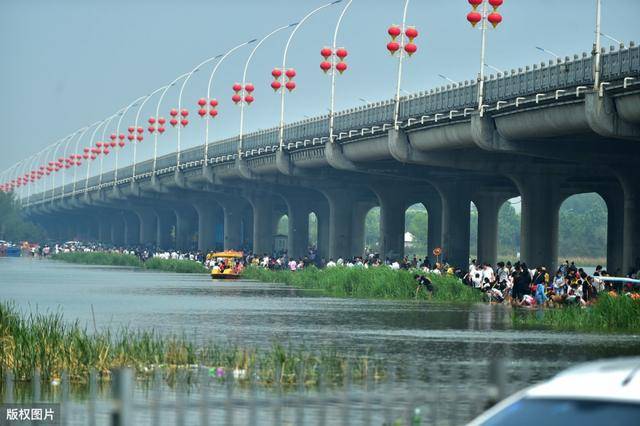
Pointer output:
70, 63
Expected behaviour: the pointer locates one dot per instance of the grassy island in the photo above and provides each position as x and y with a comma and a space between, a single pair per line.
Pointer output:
119, 259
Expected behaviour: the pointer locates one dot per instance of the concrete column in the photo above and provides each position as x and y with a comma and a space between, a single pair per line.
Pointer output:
207, 218
131, 229
615, 230
298, 241
392, 218
358, 227
630, 182
186, 222
541, 202
262, 224
104, 230
117, 230
322, 216
246, 214
433, 205
166, 219
456, 206
148, 226
488, 205
340, 220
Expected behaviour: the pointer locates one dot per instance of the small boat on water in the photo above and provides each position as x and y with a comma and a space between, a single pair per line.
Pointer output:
226, 264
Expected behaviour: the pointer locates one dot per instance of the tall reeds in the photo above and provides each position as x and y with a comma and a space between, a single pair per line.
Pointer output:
182, 266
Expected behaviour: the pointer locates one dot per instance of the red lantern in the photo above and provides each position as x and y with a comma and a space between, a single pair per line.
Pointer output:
341, 67
161, 120
173, 112
78, 163
411, 33
184, 113
290, 73
131, 137
213, 113
326, 52
249, 99
249, 87
184, 122
496, 3
394, 31
236, 98
93, 157
202, 112
105, 151
202, 102
140, 130
276, 85
237, 87
495, 18
474, 18
85, 156
151, 129
139, 138
291, 85
113, 144
276, 73
393, 47
113, 136
132, 129
121, 144
161, 129
411, 48
86, 150
342, 53
121, 137
99, 144
325, 66
152, 120
173, 122
213, 103
475, 3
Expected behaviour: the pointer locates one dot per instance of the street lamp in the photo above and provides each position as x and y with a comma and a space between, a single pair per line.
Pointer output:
410, 48
151, 129
444, 77
596, 47
615, 40
496, 69
121, 136
474, 17
542, 49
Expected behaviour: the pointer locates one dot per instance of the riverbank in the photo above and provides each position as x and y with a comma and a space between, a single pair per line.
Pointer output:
370, 283
118, 259
46, 342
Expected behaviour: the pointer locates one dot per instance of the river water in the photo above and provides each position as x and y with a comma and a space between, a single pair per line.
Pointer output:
258, 314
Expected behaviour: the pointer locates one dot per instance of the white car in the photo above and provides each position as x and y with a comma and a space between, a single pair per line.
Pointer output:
595, 393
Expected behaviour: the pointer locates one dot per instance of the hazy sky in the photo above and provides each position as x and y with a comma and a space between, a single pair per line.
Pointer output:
67, 64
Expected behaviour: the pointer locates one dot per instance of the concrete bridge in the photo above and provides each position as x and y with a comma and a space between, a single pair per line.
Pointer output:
546, 132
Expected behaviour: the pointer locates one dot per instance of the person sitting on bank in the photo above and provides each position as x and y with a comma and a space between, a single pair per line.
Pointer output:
424, 283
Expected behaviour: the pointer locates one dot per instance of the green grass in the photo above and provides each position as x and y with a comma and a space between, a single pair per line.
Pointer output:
47, 343
608, 314
373, 283
117, 259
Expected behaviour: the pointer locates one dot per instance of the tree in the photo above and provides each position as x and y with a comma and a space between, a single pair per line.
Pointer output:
12, 226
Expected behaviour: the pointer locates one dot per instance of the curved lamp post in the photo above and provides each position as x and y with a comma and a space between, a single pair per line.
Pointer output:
121, 136
284, 65
151, 122
55, 153
105, 151
76, 150
92, 155
334, 69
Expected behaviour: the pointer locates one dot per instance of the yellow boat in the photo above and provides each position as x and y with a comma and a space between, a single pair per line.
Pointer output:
233, 268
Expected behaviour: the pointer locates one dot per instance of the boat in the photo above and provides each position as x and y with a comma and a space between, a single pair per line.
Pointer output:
227, 264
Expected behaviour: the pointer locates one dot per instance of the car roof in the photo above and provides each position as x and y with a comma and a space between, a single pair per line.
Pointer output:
616, 379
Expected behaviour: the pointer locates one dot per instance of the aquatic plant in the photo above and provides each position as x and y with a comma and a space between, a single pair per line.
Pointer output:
608, 314
117, 259
375, 283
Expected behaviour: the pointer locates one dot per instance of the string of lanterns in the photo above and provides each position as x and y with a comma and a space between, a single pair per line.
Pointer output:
327, 53
410, 32
494, 18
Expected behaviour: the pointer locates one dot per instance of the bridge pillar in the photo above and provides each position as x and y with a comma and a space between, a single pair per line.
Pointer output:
540, 216
117, 230
615, 230
456, 206
186, 220
488, 205
358, 227
298, 241
206, 224
166, 219
148, 225
262, 224
340, 220
104, 229
233, 235
131, 229
434, 223
630, 182
392, 221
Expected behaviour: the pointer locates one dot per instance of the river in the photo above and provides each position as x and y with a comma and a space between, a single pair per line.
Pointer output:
258, 314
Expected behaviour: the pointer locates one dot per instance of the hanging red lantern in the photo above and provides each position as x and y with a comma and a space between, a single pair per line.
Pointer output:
121, 137
213, 103
93, 157
276, 73
326, 52
121, 144
140, 130
342, 53
173, 122
139, 138
173, 112
151, 129
291, 73
152, 120
475, 3
85, 156
237, 87
236, 98
249, 99
411, 33
161, 120
86, 150
411, 48
184, 113
78, 163
474, 18
393, 47
496, 3
394, 31
161, 129
184, 122
495, 18
99, 144
131, 137
113, 136
249, 87
276, 85
105, 151
202, 102
325, 66
132, 129
113, 144
291, 85
213, 112
202, 112
341, 67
